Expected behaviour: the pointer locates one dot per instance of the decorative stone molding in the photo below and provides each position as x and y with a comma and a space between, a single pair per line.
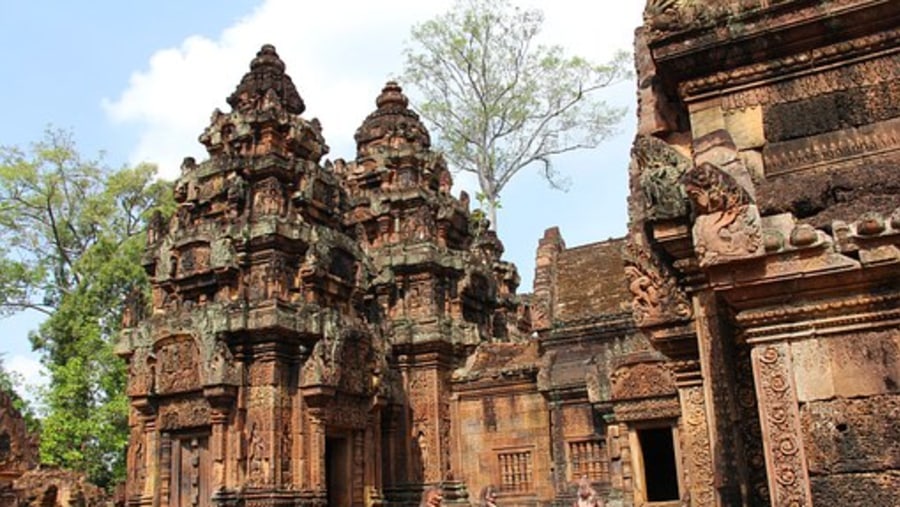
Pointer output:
780, 419
642, 380
697, 445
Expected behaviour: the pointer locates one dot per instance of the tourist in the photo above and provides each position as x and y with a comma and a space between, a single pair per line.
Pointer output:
587, 495
488, 497
432, 497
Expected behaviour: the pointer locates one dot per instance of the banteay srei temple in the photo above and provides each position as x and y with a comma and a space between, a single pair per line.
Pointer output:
346, 332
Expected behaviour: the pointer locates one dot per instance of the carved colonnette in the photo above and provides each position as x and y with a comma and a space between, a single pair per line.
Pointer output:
786, 462
695, 431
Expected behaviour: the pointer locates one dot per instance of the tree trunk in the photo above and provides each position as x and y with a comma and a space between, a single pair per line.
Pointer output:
492, 214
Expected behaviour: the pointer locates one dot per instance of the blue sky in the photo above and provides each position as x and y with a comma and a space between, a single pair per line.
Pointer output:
138, 81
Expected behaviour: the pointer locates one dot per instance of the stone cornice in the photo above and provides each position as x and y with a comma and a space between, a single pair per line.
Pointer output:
818, 318
713, 58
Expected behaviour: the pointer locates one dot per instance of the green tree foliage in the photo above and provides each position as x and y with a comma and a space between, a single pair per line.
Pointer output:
71, 237
499, 101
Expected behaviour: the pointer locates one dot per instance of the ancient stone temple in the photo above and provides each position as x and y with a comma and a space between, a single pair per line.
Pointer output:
346, 333
306, 317
763, 249
18, 448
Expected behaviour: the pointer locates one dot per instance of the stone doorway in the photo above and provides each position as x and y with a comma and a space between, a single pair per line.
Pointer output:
660, 468
190, 471
337, 470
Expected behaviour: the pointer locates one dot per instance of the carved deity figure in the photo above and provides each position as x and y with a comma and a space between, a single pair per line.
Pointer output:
139, 466
587, 495
488, 497
256, 461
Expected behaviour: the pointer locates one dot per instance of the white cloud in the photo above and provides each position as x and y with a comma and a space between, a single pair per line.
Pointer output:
339, 54
29, 370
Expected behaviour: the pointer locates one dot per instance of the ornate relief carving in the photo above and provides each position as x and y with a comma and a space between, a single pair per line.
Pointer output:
257, 456
804, 85
748, 413
193, 259
642, 380
827, 316
728, 225
268, 197
141, 372
780, 419
345, 412
876, 140
666, 15
657, 299
220, 365
184, 413
426, 443
647, 409
698, 452
661, 168
287, 448
137, 462
177, 365
340, 362
712, 190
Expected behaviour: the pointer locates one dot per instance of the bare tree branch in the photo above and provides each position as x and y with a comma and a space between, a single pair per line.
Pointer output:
498, 101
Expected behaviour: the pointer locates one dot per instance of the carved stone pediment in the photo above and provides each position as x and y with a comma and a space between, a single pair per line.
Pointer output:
177, 367
642, 380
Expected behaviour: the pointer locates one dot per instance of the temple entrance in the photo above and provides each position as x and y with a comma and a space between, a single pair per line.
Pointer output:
337, 471
190, 471
660, 470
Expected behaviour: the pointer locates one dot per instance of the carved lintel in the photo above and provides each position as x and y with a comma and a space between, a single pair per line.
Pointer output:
642, 380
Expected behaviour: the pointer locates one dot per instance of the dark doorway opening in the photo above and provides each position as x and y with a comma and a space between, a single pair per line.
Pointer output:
660, 472
337, 471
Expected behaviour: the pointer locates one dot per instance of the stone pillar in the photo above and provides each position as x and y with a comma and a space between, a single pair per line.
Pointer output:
424, 400
317, 464
697, 452
218, 448
151, 460
627, 466
165, 470
779, 417
718, 395
358, 469
558, 450
373, 460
